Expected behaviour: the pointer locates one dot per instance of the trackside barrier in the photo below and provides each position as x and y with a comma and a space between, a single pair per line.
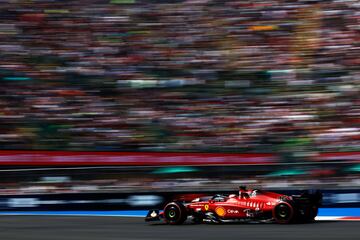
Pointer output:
136, 201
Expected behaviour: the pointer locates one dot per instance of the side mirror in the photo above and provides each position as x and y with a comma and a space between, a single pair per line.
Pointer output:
211, 201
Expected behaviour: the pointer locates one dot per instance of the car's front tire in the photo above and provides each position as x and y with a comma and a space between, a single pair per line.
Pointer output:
175, 213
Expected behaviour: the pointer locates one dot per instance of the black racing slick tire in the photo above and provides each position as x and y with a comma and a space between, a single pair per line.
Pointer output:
175, 213
283, 213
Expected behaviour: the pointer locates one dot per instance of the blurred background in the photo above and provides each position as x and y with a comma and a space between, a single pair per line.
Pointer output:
156, 96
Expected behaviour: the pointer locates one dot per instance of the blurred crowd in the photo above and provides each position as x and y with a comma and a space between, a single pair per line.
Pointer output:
180, 75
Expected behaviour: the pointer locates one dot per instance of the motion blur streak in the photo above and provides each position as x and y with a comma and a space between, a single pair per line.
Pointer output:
180, 75
278, 77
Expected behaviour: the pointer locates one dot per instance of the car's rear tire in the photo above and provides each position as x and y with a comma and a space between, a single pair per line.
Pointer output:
175, 213
283, 213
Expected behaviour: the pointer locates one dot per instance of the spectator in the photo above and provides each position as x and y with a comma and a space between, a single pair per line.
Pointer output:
180, 75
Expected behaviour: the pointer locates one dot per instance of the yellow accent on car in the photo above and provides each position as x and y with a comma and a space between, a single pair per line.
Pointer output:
220, 211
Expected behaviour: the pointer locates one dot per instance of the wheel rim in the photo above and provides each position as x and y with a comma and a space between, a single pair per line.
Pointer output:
283, 212
172, 214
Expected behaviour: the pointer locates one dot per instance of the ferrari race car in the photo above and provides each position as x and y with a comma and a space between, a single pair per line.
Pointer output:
248, 205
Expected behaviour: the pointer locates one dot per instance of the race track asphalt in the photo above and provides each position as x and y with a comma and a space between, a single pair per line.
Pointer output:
111, 228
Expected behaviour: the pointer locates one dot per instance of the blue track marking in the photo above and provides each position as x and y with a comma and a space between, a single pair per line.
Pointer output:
323, 212
347, 212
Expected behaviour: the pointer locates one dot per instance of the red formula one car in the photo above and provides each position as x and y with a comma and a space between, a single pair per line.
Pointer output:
248, 205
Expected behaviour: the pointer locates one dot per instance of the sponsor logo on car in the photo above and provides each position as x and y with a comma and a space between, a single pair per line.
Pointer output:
232, 211
220, 211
